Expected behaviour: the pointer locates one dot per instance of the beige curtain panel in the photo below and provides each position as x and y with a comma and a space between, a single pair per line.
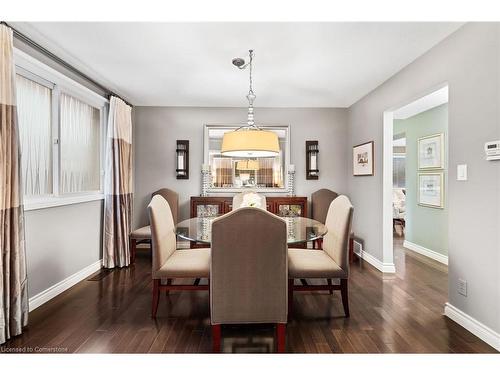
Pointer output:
13, 280
118, 185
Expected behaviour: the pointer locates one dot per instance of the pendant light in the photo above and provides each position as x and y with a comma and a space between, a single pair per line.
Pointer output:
249, 140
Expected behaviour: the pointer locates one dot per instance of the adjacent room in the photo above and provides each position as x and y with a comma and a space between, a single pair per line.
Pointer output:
271, 187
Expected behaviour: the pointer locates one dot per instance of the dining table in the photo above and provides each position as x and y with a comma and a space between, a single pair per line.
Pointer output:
299, 229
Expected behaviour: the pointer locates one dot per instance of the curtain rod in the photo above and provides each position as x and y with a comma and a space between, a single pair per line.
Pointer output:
25, 39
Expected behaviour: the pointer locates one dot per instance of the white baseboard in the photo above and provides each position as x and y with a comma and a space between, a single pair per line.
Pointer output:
472, 325
381, 266
61, 286
426, 252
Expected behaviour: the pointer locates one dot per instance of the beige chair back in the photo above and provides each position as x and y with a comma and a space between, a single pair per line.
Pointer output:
173, 201
320, 203
248, 274
163, 239
338, 223
239, 200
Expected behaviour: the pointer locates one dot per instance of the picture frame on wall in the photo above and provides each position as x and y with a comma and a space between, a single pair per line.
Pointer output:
362, 159
431, 189
431, 152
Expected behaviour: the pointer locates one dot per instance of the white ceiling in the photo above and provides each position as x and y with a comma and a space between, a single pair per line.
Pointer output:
189, 64
423, 104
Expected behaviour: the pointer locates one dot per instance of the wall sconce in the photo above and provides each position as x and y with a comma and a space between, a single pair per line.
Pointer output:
312, 150
182, 160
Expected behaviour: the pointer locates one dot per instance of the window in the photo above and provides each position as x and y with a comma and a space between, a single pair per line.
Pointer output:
34, 103
80, 146
235, 173
61, 127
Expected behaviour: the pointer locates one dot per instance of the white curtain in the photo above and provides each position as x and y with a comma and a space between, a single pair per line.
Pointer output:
80, 146
34, 116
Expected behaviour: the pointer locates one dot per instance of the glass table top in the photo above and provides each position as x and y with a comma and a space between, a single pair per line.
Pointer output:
299, 229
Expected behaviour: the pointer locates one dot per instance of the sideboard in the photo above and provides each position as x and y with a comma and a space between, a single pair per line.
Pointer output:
283, 206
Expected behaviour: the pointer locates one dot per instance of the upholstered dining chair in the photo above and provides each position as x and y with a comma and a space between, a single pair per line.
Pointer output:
249, 199
248, 274
332, 262
143, 234
168, 262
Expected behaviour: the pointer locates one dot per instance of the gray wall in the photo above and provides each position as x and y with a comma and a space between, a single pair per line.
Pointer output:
61, 241
425, 226
469, 61
157, 128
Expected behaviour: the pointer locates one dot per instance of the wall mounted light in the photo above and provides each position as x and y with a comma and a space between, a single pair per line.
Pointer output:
182, 160
312, 151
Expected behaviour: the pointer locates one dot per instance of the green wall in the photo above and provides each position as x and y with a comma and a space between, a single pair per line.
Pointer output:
427, 227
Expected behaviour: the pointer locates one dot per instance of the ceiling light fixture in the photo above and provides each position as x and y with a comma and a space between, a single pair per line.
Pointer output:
249, 140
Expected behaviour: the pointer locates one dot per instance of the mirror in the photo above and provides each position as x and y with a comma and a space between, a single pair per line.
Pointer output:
233, 174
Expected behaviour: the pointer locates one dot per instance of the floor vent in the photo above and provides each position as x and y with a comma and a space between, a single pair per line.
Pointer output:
358, 247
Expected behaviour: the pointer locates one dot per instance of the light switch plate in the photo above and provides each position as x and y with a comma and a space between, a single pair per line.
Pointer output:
462, 172
462, 287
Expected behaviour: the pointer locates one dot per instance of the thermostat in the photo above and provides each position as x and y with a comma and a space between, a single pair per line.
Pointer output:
492, 150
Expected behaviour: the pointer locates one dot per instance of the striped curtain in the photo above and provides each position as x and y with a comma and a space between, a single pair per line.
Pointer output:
118, 185
13, 280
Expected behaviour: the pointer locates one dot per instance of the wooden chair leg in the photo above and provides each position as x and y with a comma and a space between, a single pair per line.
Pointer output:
280, 337
197, 281
156, 297
329, 281
169, 282
351, 249
290, 297
345, 296
133, 249
216, 338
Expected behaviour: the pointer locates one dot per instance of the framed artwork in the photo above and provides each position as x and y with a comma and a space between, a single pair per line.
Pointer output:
431, 151
362, 159
431, 189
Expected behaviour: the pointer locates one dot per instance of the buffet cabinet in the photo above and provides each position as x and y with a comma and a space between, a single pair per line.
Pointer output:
281, 206
214, 206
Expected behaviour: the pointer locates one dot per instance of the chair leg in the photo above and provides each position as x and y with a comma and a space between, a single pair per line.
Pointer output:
290, 297
133, 248
169, 282
345, 296
280, 337
329, 281
156, 297
197, 281
314, 244
351, 249
216, 338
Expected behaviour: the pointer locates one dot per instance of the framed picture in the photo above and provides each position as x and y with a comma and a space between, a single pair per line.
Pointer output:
431, 151
431, 189
362, 159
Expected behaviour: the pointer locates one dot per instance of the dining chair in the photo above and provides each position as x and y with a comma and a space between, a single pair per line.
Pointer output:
331, 262
168, 262
246, 198
320, 203
143, 234
248, 272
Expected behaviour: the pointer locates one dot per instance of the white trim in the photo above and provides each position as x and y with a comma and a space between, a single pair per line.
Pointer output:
387, 188
47, 202
426, 252
45, 296
472, 325
381, 266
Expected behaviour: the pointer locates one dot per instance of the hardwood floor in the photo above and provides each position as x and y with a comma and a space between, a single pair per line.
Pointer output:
110, 313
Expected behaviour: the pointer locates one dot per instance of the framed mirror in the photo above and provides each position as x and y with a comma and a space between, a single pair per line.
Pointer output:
235, 174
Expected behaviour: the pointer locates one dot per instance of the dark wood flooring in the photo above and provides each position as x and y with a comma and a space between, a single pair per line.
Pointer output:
110, 313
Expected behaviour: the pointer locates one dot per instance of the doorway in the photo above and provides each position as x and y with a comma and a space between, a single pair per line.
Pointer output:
415, 179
